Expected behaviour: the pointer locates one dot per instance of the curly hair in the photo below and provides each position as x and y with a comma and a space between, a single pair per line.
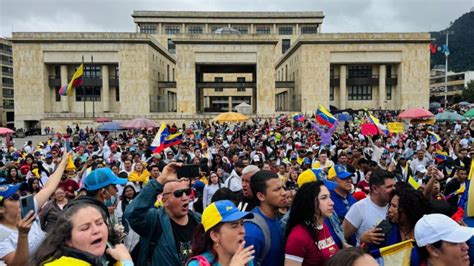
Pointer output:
304, 208
411, 203
54, 245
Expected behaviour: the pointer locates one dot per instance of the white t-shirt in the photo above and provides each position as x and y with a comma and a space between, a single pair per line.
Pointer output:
364, 215
9, 238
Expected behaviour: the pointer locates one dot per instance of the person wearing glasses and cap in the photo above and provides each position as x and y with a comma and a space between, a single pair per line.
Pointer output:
166, 232
219, 239
17, 243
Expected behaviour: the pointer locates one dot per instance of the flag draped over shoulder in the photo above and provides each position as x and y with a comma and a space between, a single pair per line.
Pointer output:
163, 139
470, 192
324, 117
394, 255
77, 80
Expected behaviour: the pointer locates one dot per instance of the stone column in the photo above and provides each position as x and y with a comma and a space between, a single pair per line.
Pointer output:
297, 29
159, 28
382, 89
251, 29
64, 81
105, 88
230, 104
342, 87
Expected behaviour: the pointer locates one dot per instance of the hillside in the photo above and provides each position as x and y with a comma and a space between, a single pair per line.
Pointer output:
461, 44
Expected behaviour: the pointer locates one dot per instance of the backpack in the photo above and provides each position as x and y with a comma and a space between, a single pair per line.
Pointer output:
202, 261
259, 221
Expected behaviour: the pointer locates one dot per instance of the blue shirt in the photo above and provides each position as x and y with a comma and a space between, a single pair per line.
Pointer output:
342, 205
254, 236
210, 258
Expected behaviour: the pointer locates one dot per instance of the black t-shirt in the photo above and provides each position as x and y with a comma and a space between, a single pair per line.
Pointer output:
183, 234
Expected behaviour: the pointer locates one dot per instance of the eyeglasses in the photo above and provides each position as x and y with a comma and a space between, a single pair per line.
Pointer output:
179, 193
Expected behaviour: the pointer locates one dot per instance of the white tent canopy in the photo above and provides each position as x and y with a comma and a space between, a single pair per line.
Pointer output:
244, 108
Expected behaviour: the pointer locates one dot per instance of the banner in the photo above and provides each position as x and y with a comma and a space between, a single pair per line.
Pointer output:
395, 127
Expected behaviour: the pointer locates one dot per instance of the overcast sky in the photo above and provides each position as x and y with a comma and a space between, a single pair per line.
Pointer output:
341, 15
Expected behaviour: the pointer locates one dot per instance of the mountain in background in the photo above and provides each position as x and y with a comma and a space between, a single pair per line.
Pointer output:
461, 44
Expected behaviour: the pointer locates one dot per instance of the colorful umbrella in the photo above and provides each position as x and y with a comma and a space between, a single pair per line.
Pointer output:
470, 113
230, 117
415, 113
449, 116
103, 119
139, 123
4, 130
344, 117
464, 103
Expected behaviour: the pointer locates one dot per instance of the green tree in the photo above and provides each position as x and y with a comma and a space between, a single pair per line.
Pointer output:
468, 93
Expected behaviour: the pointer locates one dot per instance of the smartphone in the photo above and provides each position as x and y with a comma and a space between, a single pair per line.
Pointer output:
188, 170
386, 227
27, 205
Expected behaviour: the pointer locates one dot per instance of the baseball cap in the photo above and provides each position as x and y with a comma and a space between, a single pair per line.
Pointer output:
311, 175
8, 190
421, 168
256, 158
102, 177
222, 211
432, 228
338, 170
49, 155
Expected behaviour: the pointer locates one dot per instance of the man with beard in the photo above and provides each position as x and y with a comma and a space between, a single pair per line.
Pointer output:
248, 201
175, 222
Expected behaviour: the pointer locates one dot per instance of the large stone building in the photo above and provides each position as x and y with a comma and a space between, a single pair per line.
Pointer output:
456, 83
6, 62
188, 65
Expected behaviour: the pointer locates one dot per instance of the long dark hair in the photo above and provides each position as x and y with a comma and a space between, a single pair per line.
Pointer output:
54, 245
304, 208
411, 202
126, 201
202, 242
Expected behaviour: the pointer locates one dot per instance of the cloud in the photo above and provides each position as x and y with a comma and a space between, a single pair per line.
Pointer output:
341, 15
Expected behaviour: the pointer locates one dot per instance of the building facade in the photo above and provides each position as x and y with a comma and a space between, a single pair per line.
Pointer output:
7, 113
190, 65
456, 83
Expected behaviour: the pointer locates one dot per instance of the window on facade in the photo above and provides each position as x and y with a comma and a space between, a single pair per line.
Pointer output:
360, 71
57, 96
148, 28
6, 48
7, 60
92, 71
331, 93
171, 46
117, 94
88, 94
359, 93
309, 29
389, 71
285, 30
331, 72
7, 93
240, 79
7, 81
216, 27
242, 29
285, 45
389, 92
7, 71
116, 72
172, 29
8, 104
262, 30
218, 79
195, 29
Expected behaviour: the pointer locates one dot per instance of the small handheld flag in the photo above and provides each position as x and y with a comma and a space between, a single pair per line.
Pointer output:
413, 183
164, 140
434, 138
298, 117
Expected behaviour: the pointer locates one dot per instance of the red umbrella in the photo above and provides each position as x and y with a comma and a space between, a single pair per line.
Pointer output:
4, 130
415, 113
139, 123
368, 129
103, 119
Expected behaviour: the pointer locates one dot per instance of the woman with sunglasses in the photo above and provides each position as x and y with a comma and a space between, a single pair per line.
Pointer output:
10, 250
219, 239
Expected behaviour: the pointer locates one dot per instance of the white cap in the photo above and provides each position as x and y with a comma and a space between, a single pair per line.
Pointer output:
315, 147
434, 227
421, 168
256, 158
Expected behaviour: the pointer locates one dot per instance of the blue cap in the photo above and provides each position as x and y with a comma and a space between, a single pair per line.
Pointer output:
306, 160
220, 212
101, 178
338, 170
8, 190
49, 155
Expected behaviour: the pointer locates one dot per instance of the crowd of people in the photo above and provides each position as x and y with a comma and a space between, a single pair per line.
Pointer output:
269, 192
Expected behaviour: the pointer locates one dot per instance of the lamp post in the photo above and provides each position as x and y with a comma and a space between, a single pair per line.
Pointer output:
446, 54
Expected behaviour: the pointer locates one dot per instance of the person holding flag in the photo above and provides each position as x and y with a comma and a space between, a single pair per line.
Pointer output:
325, 118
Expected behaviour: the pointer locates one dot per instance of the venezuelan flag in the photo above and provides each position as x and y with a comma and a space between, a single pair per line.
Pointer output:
164, 140
77, 80
434, 138
324, 117
298, 117
441, 156
413, 183
394, 255
382, 128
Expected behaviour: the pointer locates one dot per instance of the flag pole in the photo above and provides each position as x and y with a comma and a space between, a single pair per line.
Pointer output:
446, 72
83, 89
93, 89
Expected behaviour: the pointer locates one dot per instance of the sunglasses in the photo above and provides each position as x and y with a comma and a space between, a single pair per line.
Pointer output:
179, 193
